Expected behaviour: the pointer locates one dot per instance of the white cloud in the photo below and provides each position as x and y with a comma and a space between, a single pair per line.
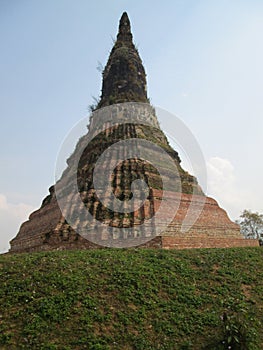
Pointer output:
223, 186
3, 203
220, 175
11, 217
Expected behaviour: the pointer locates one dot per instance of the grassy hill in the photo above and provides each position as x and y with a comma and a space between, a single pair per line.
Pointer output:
132, 299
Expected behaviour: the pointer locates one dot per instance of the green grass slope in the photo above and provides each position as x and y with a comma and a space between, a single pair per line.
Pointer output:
132, 299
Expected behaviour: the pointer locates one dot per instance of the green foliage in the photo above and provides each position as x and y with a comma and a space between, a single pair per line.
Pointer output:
236, 333
251, 224
92, 107
132, 299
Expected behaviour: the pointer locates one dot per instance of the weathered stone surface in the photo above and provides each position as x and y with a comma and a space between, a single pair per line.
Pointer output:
124, 81
124, 77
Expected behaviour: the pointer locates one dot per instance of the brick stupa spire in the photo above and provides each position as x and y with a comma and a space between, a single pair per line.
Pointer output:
124, 82
124, 78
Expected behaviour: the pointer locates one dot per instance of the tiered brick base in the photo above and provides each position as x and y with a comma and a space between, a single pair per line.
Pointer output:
47, 230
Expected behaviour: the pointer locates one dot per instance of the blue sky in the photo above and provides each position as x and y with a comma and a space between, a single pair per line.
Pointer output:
203, 59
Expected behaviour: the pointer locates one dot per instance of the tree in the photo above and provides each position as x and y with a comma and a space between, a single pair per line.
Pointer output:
251, 224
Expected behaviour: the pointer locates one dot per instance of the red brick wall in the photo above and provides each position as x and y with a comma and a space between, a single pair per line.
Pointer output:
206, 242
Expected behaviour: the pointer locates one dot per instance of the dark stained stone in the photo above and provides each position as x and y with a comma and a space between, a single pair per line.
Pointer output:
124, 78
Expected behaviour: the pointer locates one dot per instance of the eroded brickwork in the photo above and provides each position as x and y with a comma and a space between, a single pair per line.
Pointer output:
47, 230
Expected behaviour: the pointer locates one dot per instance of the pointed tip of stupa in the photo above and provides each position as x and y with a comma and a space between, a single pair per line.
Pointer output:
125, 22
124, 33
124, 17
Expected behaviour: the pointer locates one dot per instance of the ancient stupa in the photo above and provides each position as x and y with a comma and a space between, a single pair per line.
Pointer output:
74, 216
